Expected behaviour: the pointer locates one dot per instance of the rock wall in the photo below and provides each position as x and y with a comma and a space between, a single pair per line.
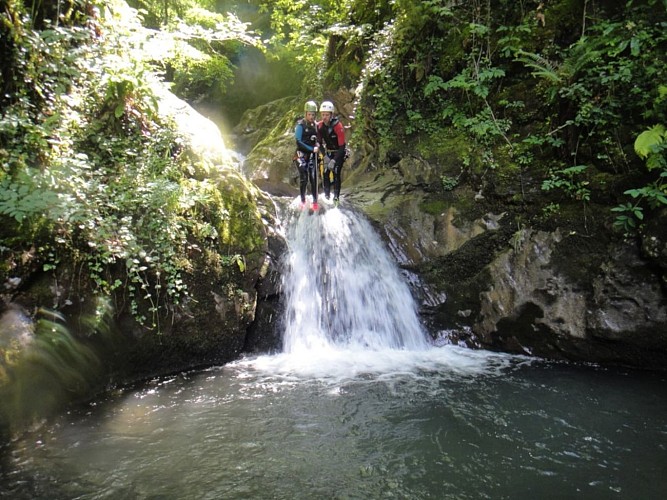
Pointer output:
484, 281
490, 274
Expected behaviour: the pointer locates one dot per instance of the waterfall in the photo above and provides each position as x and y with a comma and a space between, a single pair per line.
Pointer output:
342, 289
349, 313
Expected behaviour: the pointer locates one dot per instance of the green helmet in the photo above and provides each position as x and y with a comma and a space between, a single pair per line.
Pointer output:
310, 106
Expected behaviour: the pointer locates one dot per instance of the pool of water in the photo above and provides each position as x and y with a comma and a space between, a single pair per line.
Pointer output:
441, 423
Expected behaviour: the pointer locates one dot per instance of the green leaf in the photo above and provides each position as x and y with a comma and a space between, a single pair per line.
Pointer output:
634, 192
120, 109
656, 161
648, 139
576, 169
434, 84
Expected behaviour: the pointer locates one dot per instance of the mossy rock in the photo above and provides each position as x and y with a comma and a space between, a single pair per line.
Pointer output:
266, 123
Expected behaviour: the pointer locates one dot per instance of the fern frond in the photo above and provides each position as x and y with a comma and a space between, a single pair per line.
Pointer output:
542, 67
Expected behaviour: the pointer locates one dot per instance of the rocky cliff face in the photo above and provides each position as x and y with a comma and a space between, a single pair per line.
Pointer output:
491, 274
560, 292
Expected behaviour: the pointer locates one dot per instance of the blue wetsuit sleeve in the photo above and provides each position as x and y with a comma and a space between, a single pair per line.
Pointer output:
298, 135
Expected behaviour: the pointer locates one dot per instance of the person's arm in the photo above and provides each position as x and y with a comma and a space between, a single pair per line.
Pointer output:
298, 135
340, 152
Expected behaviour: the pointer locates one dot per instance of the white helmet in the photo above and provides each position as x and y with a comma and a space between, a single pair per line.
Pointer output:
327, 106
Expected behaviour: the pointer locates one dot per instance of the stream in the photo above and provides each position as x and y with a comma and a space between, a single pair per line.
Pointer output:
360, 404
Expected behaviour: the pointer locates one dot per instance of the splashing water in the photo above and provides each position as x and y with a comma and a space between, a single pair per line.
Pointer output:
342, 289
348, 310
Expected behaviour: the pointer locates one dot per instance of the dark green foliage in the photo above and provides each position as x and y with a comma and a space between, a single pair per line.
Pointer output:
195, 47
545, 87
93, 183
496, 91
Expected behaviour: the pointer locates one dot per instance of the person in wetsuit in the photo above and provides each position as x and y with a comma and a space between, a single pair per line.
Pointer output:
305, 133
331, 135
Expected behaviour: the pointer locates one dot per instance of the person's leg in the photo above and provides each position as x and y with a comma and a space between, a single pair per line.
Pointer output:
337, 181
327, 179
303, 178
313, 180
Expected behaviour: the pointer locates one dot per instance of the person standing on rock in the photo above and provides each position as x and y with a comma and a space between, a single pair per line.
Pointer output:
305, 133
331, 135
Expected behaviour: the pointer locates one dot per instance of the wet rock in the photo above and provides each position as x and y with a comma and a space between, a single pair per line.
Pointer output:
579, 294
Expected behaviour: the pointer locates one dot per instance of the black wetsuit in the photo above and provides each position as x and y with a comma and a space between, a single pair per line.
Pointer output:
332, 137
306, 138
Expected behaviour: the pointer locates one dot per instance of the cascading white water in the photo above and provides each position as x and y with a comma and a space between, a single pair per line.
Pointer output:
348, 311
342, 289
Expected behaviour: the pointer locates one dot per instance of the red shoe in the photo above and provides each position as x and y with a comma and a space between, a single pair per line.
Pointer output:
316, 207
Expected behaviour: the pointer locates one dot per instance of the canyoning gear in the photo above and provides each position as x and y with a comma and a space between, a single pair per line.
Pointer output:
331, 136
327, 106
331, 175
326, 170
307, 172
315, 156
305, 134
310, 106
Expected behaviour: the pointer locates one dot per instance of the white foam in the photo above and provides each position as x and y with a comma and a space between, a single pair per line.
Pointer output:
349, 314
342, 290
336, 365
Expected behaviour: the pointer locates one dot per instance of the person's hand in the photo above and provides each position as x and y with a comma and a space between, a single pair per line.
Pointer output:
316, 149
